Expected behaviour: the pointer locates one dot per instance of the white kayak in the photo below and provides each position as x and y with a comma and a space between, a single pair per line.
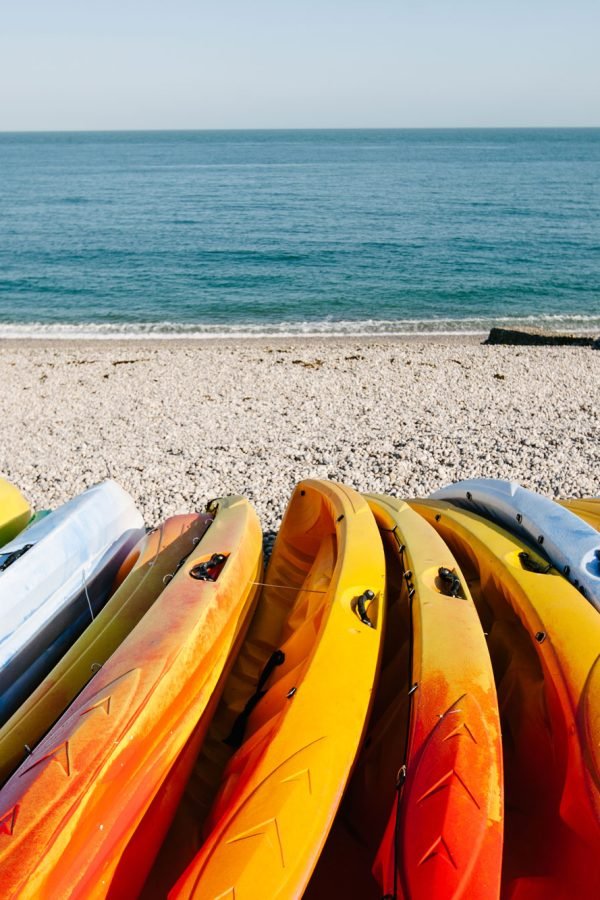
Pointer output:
570, 544
54, 578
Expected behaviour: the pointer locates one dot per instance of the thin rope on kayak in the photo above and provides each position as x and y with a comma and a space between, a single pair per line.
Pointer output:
288, 587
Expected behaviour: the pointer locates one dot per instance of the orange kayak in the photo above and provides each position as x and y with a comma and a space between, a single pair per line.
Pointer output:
423, 814
294, 711
147, 567
71, 812
544, 642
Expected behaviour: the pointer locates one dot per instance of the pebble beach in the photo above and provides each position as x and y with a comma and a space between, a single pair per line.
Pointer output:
177, 423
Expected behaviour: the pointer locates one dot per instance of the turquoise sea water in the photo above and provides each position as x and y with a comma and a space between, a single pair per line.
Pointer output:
298, 231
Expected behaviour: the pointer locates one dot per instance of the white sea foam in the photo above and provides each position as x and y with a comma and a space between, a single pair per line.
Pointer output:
318, 328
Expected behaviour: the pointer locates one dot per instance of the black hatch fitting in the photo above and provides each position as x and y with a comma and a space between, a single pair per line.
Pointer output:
207, 571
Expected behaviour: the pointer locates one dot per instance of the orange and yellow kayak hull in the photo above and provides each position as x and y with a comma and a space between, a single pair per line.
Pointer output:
544, 641
322, 611
74, 807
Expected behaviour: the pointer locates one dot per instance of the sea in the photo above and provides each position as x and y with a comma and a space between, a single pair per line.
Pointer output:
327, 232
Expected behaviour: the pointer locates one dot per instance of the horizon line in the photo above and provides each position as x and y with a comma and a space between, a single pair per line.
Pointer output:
301, 128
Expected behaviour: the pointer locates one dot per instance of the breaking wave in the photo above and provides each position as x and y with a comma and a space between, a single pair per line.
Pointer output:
314, 328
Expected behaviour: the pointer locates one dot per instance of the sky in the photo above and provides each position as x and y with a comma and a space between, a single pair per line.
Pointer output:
153, 64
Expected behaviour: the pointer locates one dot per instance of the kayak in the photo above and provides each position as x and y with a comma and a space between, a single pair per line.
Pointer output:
295, 708
544, 642
55, 577
141, 579
587, 509
74, 814
570, 544
422, 815
15, 512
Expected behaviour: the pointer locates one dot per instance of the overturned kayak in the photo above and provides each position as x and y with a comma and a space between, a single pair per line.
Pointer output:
423, 812
54, 578
295, 707
143, 575
544, 642
571, 545
85, 795
15, 512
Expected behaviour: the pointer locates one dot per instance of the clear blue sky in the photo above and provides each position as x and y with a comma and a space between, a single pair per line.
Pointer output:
281, 64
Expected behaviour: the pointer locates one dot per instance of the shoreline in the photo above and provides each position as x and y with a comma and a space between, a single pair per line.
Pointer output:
155, 345
293, 341
178, 422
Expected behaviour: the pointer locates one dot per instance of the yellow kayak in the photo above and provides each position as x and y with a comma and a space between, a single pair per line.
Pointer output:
15, 512
544, 641
147, 568
294, 709
587, 509
422, 815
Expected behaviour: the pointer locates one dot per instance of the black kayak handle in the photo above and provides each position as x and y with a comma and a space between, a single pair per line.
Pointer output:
450, 581
361, 607
206, 571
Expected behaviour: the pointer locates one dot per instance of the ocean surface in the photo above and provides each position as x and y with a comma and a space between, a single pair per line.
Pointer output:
287, 232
